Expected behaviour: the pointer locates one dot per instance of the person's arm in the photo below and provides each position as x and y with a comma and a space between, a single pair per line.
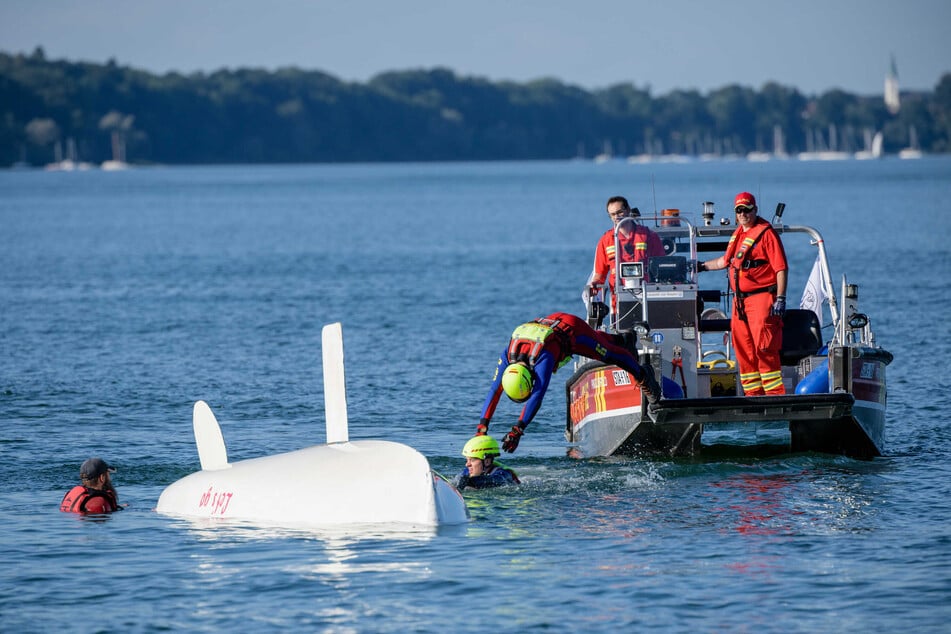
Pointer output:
776, 254
495, 392
544, 366
601, 265
781, 283
779, 304
712, 265
461, 480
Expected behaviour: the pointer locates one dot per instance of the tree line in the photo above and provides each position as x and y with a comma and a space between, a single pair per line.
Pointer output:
105, 111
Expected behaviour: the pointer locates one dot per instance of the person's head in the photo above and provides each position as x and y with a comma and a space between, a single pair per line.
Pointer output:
745, 207
517, 381
94, 473
480, 453
618, 208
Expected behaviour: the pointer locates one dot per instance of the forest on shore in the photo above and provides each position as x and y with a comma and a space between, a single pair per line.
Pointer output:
54, 109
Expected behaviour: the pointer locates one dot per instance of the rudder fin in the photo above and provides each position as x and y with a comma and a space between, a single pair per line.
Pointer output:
335, 385
211, 444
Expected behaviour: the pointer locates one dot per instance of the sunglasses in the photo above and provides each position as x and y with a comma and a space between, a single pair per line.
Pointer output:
744, 210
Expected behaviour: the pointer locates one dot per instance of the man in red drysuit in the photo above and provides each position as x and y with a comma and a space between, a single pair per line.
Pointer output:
758, 269
637, 247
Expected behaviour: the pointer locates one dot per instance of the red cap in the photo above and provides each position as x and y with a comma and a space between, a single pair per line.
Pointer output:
744, 199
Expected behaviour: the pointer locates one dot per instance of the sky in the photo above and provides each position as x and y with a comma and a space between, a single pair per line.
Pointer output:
659, 45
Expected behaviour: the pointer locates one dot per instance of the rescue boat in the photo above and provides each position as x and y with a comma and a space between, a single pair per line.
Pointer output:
834, 376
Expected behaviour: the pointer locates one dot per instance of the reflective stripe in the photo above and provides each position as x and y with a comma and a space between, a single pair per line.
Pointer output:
536, 334
772, 381
751, 382
532, 333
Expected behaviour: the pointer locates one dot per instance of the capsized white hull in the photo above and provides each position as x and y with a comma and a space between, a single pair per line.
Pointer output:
367, 481
342, 482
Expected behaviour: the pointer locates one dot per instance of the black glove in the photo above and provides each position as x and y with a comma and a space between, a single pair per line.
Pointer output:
482, 428
701, 267
779, 306
510, 442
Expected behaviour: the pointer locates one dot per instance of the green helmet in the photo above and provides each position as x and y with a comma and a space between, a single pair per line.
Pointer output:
480, 447
517, 382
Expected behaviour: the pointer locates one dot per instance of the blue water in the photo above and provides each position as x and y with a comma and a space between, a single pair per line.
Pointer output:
125, 297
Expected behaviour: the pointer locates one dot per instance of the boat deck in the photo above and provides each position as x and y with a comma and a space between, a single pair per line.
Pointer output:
752, 409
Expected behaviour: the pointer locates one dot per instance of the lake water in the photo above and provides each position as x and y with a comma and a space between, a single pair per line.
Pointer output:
126, 296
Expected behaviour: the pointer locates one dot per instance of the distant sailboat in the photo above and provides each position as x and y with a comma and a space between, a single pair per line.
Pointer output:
606, 155
913, 151
118, 154
779, 143
71, 162
873, 146
817, 150
779, 148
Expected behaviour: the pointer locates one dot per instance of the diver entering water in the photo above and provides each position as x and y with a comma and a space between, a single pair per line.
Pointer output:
536, 350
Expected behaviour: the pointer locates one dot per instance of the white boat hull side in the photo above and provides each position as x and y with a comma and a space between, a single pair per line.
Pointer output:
601, 434
369, 481
450, 505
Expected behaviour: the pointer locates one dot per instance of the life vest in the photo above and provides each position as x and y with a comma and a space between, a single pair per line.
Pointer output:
498, 465
528, 340
633, 246
78, 497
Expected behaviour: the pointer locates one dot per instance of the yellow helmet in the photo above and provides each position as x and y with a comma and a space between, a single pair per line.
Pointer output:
517, 382
480, 447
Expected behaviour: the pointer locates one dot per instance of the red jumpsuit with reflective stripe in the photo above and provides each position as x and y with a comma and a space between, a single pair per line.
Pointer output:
757, 339
640, 246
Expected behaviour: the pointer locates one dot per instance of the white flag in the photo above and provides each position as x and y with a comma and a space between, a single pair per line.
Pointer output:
814, 293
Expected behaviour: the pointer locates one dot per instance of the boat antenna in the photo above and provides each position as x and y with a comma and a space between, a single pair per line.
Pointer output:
654, 196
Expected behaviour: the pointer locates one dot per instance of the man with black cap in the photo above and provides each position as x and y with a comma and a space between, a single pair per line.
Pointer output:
758, 270
95, 494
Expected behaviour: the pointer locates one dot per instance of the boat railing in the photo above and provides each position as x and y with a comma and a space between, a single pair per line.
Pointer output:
683, 239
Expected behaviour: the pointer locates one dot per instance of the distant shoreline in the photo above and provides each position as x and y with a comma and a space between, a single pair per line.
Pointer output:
55, 112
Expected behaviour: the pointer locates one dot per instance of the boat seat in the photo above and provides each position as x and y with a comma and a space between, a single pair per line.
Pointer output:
714, 320
802, 335
710, 296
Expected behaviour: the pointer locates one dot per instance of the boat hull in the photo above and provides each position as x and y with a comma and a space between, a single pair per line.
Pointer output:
605, 417
360, 482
